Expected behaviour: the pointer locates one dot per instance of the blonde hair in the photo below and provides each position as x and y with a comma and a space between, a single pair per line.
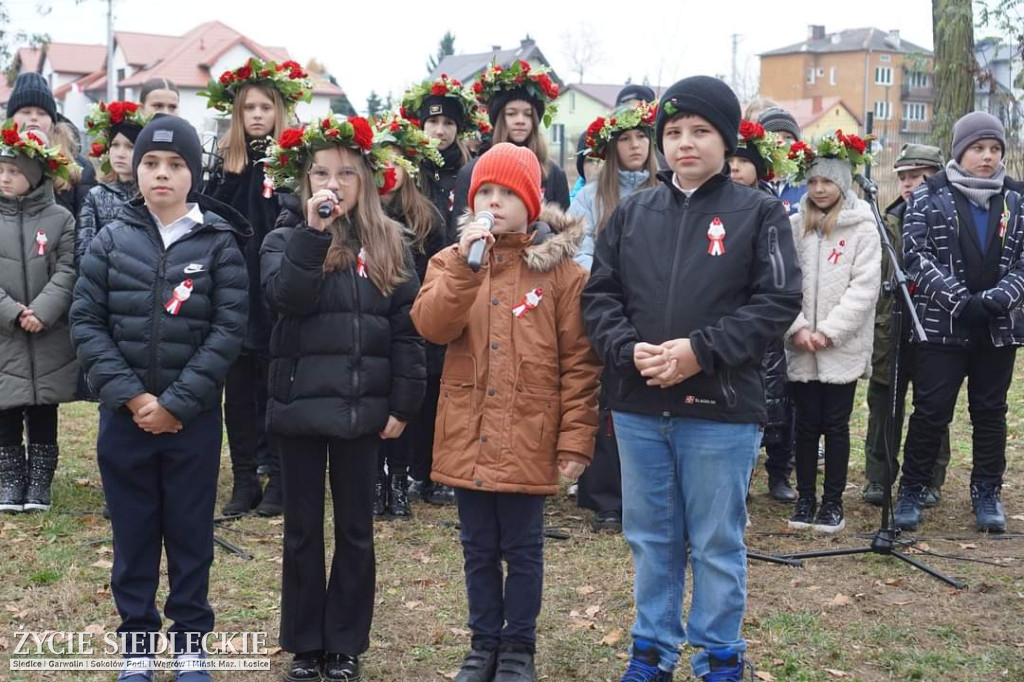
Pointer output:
364, 226
419, 212
608, 194
756, 107
535, 142
233, 147
815, 218
64, 136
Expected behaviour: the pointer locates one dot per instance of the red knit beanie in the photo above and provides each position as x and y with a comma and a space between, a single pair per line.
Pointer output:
510, 166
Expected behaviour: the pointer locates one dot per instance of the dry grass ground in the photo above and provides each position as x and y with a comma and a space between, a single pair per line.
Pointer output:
862, 618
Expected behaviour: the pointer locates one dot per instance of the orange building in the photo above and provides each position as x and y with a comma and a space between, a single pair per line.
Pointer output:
868, 69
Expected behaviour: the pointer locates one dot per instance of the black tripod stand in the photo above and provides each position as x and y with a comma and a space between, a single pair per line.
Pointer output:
886, 538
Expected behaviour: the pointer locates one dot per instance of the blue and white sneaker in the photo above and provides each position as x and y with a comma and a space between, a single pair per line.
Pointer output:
136, 670
643, 666
727, 666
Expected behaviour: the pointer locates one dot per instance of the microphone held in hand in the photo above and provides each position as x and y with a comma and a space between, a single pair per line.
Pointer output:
476, 251
325, 209
865, 184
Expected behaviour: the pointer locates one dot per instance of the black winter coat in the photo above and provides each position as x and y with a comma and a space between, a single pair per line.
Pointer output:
554, 188
654, 279
343, 356
73, 197
244, 193
438, 185
102, 205
127, 341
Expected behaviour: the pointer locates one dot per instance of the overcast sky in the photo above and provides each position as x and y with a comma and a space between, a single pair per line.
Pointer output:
384, 45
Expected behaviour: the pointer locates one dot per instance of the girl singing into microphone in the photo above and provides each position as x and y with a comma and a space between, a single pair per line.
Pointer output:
346, 370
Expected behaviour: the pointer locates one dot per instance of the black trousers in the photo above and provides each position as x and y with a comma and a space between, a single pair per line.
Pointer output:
318, 614
421, 431
397, 453
160, 491
40, 420
823, 410
779, 444
245, 414
503, 610
940, 371
600, 486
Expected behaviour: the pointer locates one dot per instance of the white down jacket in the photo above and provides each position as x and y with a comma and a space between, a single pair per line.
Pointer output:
842, 278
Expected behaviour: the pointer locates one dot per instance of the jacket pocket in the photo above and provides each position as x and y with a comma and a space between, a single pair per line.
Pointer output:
282, 378
535, 424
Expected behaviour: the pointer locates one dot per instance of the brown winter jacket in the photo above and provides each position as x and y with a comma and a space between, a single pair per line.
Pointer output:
518, 394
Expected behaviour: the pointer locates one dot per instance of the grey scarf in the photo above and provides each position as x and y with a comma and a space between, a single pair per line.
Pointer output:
977, 190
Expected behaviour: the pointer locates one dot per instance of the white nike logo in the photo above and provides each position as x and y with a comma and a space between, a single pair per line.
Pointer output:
193, 268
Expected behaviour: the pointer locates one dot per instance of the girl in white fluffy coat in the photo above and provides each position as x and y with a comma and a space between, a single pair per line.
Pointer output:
829, 344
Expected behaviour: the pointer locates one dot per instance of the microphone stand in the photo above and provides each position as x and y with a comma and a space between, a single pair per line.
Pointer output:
887, 537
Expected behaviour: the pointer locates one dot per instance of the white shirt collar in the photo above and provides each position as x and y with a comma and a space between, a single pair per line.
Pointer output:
675, 181
193, 217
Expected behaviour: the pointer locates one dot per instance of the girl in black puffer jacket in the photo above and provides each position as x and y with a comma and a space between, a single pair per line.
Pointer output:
346, 370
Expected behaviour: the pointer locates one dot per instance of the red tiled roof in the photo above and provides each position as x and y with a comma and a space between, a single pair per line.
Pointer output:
74, 58
143, 49
808, 111
28, 59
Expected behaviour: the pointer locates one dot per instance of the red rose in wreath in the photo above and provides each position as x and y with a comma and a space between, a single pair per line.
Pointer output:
750, 130
363, 136
389, 181
11, 135
97, 149
856, 143
439, 90
291, 137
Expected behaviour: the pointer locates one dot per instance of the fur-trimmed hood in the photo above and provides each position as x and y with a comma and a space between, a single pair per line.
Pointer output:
556, 237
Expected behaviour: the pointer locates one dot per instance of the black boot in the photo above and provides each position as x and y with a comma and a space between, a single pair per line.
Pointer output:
245, 494
400, 493
305, 667
342, 668
515, 664
420, 490
42, 463
13, 478
478, 666
272, 503
380, 495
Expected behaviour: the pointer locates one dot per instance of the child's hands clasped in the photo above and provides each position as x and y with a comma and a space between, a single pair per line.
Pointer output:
29, 322
667, 364
151, 416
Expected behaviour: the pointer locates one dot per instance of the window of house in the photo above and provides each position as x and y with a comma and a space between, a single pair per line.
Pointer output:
810, 75
884, 57
883, 111
918, 79
883, 75
915, 112
832, 76
572, 102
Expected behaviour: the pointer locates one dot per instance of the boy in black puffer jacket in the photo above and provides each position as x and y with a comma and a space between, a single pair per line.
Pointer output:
158, 317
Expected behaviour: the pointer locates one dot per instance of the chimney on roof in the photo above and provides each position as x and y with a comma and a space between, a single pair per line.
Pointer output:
894, 38
815, 32
527, 42
816, 104
495, 48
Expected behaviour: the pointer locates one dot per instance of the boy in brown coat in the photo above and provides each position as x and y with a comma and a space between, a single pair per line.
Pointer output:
518, 397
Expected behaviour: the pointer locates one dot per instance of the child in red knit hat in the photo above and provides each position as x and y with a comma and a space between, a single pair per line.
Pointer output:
518, 397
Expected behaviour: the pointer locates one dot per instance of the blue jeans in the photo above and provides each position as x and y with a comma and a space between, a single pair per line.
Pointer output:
684, 486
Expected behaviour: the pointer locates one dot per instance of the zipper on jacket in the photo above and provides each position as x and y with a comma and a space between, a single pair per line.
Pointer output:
24, 275
153, 377
357, 353
778, 268
675, 267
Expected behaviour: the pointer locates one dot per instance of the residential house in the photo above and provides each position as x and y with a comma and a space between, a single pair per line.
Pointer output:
869, 70
466, 67
580, 103
1000, 85
819, 116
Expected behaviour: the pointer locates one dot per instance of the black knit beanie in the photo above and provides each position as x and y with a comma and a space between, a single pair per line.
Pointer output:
581, 158
170, 134
778, 120
707, 97
503, 97
634, 91
439, 105
750, 153
129, 130
31, 90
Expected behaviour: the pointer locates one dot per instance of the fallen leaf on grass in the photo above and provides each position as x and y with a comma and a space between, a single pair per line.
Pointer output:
967, 545
894, 582
1015, 517
838, 674
102, 563
592, 611
83, 482
612, 638
105, 550
275, 522
95, 629
586, 590
459, 632
764, 676
273, 651
412, 604
448, 676
840, 600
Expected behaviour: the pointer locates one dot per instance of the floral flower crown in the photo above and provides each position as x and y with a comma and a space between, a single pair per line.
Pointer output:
445, 86
771, 148
413, 144
288, 78
602, 130
479, 123
519, 74
31, 146
849, 148
101, 121
288, 155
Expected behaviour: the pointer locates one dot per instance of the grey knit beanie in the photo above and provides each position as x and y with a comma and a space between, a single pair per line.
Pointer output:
837, 170
977, 125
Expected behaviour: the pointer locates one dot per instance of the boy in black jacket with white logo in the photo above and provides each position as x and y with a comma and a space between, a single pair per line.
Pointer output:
158, 317
691, 280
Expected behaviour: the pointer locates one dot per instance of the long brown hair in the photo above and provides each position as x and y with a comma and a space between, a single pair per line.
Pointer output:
364, 226
826, 221
535, 142
418, 211
64, 136
233, 147
608, 194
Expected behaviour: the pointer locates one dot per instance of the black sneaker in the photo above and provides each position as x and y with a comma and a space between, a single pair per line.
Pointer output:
986, 499
873, 493
380, 495
515, 666
780, 490
419, 491
399, 494
829, 518
803, 516
305, 667
442, 495
609, 521
909, 506
478, 666
342, 668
